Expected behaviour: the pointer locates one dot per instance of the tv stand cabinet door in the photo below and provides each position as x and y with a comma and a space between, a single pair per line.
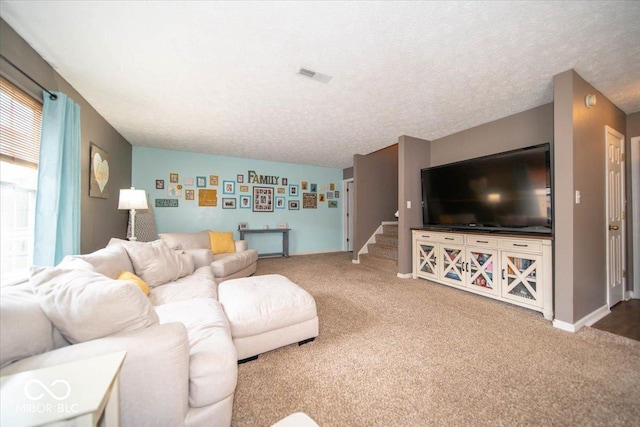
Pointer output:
483, 270
425, 259
452, 259
522, 278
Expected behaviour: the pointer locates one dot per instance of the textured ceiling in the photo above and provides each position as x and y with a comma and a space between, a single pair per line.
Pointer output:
220, 77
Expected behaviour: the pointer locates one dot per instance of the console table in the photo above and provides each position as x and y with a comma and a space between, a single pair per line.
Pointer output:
285, 240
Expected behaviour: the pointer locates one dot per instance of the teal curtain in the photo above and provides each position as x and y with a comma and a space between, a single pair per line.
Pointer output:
57, 225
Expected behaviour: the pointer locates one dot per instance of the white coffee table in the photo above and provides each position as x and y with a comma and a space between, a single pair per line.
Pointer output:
79, 391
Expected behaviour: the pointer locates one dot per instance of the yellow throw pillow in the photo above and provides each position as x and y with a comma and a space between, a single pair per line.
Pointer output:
222, 242
126, 275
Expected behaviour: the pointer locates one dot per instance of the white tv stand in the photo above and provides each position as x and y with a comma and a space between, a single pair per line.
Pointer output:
506, 267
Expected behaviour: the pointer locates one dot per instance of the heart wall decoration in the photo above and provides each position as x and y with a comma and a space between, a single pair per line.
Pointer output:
98, 172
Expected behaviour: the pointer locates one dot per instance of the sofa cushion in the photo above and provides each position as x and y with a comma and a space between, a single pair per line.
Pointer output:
110, 261
199, 240
154, 262
86, 305
186, 263
201, 257
227, 264
200, 284
213, 365
222, 242
127, 275
24, 328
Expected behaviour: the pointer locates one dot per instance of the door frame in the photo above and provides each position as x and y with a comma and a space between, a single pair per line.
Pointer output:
609, 130
635, 225
345, 210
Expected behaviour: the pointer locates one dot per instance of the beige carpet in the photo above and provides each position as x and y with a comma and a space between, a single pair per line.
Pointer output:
394, 352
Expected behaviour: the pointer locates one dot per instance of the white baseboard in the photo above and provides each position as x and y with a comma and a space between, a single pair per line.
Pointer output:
587, 320
355, 261
405, 275
328, 251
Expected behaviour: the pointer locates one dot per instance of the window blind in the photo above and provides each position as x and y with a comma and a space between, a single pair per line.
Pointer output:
20, 125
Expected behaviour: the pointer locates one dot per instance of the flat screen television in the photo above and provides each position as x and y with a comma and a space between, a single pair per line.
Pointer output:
504, 192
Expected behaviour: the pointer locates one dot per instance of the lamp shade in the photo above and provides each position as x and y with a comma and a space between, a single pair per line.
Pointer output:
132, 199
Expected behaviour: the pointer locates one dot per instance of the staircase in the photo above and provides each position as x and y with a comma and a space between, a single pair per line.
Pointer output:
383, 254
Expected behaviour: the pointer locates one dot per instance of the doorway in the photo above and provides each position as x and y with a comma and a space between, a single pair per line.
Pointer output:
635, 188
347, 193
615, 204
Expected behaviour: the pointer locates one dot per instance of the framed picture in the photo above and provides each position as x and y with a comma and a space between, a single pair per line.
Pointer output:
243, 226
188, 181
336, 194
321, 197
173, 178
207, 197
279, 202
244, 188
304, 186
98, 172
313, 188
329, 195
166, 203
282, 190
159, 184
174, 191
228, 187
293, 190
262, 199
240, 179
309, 200
333, 203
294, 205
213, 179
332, 186
201, 181
245, 202
285, 181
228, 203
189, 194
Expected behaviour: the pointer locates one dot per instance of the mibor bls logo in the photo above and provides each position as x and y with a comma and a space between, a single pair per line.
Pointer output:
44, 398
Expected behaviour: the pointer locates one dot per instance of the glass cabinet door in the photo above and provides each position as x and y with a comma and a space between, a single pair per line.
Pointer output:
452, 265
520, 275
482, 267
427, 260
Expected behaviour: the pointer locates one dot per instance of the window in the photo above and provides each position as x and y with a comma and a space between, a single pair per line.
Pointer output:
20, 126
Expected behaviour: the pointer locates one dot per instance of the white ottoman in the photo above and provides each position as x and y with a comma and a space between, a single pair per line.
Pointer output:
267, 312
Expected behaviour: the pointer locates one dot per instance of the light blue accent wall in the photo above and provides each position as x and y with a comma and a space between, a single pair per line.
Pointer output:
312, 230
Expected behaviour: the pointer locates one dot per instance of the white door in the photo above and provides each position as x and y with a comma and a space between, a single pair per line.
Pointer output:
348, 215
615, 216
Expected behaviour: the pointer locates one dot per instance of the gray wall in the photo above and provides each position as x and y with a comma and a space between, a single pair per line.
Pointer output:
347, 173
580, 255
100, 218
375, 179
413, 155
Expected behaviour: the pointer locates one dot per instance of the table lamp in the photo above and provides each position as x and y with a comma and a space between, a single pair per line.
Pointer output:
132, 199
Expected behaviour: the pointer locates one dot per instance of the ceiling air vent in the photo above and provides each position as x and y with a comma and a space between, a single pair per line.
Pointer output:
322, 78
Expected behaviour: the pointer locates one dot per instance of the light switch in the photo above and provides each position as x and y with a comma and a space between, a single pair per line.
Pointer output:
408, 204
578, 195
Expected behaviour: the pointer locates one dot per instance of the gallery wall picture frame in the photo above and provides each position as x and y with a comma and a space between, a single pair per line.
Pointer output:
159, 184
280, 203
213, 180
189, 194
309, 201
243, 226
333, 203
244, 188
282, 190
245, 202
285, 181
174, 190
188, 181
332, 186
336, 194
166, 203
293, 190
321, 197
294, 205
329, 195
262, 199
228, 187
240, 178
201, 181
304, 186
98, 172
207, 197
174, 178
228, 203
313, 188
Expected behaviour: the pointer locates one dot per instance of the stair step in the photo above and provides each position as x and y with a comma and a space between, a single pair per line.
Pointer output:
379, 263
390, 229
390, 252
387, 239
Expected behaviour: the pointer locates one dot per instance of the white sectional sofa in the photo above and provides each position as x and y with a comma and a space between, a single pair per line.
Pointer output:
181, 361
